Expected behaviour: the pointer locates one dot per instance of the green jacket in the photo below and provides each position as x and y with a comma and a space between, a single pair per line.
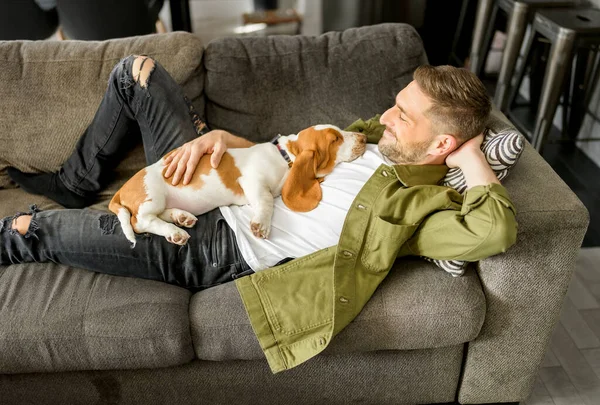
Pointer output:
297, 308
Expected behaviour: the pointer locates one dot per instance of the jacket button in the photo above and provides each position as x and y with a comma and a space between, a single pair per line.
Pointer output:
347, 253
322, 341
344, 300
361, 207
385, 174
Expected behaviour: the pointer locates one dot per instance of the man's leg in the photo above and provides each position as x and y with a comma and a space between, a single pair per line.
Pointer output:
94, 240
141, 97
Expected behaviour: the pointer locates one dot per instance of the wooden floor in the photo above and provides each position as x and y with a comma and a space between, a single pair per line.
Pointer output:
570, 373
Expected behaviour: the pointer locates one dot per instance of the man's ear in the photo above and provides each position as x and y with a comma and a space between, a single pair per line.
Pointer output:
302, 191
442, 145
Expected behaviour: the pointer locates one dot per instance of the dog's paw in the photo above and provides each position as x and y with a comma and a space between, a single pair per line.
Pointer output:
260, 230
185, 219
178, 237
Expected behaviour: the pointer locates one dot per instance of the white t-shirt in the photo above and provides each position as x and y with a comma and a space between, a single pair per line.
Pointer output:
296, 234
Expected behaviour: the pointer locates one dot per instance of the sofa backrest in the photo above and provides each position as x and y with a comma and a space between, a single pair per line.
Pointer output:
50, 91
259, 87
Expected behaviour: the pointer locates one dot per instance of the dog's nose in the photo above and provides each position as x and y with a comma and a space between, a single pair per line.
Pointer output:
361, 137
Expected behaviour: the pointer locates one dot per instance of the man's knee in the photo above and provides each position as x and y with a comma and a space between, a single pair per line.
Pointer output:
141, 69
21, 224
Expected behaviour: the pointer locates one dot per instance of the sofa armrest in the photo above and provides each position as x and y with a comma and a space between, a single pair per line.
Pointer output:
525, 286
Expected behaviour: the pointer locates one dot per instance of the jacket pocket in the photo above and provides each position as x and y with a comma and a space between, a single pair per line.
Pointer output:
383, 243
298, 296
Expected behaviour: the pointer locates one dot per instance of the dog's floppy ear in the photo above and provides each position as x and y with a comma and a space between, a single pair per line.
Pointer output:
302, 191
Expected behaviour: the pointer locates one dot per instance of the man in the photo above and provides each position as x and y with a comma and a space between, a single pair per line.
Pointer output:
436, 119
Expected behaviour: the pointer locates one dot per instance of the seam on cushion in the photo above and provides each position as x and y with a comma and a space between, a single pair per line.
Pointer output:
87, 304
462, 313
526, 212
329, 48
227, 325
573, 228
208, 69
97, 336
117, 58
209, 59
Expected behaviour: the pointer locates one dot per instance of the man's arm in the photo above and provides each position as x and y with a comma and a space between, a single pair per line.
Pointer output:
485, 224
185, 160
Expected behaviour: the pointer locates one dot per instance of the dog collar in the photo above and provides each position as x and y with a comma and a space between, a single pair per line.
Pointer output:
284, 154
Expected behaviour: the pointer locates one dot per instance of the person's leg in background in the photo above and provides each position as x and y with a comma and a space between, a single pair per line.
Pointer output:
27, 19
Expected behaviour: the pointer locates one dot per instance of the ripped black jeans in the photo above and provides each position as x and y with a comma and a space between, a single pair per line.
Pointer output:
93, 240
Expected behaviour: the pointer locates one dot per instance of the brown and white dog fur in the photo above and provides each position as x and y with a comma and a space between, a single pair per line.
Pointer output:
148, 202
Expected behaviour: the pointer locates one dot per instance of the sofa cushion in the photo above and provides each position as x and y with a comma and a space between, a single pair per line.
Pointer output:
261, 87
416, 307
50, 91
56, 318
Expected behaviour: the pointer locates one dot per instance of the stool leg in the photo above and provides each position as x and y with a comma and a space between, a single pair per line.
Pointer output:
560, 56
459, 28
515, 33
482, 20
594, 76
517, 79
583, 77
567, 105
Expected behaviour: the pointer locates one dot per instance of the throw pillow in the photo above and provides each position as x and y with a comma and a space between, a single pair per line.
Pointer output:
502, 146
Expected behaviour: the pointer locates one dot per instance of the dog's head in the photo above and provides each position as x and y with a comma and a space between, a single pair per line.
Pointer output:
316, 151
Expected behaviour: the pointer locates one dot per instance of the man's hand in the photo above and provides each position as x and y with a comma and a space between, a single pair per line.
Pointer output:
471, 160
183, 161
465, 153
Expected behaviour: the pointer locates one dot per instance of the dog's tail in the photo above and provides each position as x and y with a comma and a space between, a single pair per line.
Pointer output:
124, 217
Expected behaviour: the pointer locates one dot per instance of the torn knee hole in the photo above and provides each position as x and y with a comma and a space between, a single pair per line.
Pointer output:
141, 70
21, 224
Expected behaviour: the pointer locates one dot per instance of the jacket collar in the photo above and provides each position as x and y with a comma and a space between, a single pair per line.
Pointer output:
416, 175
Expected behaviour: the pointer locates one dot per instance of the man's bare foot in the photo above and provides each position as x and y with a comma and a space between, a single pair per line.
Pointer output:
21, 224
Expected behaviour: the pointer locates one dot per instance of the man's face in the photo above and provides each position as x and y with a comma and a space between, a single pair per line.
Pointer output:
408, 132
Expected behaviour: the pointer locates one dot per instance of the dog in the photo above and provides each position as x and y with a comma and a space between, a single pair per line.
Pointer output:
292, 166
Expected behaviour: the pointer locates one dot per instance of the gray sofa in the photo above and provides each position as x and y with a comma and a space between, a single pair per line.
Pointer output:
69, 336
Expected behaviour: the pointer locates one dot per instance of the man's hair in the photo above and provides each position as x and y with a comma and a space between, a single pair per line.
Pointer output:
461, 106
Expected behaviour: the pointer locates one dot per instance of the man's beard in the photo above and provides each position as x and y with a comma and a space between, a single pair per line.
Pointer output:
409, 154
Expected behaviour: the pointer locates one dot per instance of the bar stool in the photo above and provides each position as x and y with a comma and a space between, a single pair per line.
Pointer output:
520, 13
568, 31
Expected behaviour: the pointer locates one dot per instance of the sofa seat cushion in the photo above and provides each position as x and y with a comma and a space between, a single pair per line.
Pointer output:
57, 318
50, 91
417, 306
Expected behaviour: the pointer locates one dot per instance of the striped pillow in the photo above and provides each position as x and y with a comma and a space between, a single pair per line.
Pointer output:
502, 146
